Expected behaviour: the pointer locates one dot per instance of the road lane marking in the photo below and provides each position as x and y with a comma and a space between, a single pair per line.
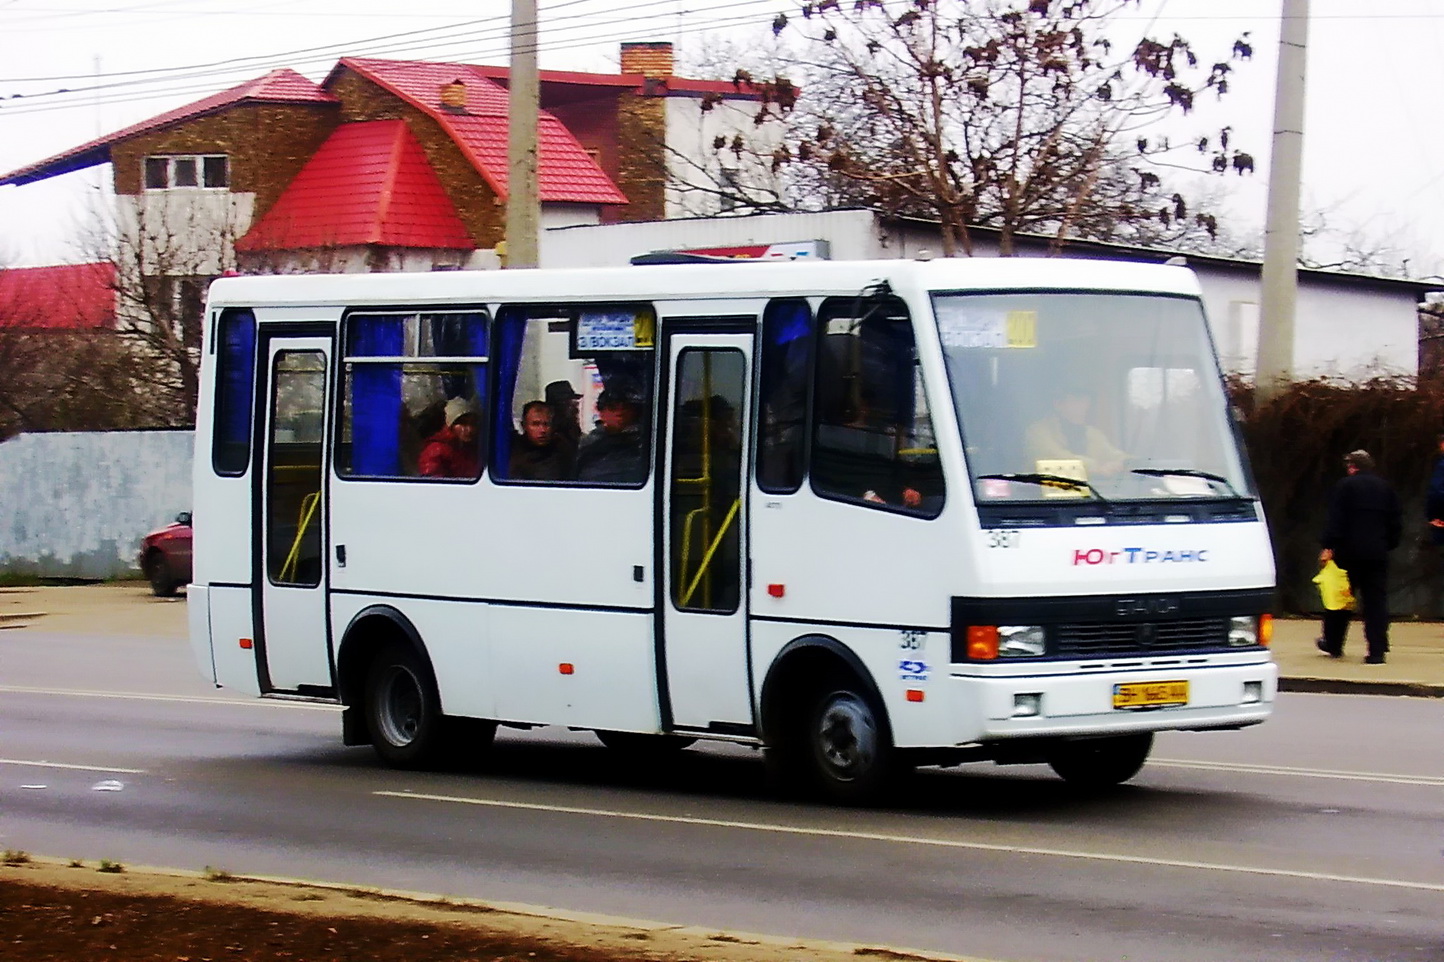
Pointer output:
920, 840
26, 763
1245, 768
189, 699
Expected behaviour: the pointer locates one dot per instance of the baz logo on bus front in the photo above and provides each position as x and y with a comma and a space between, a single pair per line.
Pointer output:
1137, 556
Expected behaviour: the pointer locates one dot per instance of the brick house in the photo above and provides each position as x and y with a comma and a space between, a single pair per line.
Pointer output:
389, 165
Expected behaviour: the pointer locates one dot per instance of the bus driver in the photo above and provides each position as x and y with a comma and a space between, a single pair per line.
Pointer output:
1066, 435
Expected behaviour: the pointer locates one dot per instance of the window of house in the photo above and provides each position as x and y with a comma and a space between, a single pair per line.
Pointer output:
413, 395
873, 441
235, 386
788, 339
188, 170
574, 388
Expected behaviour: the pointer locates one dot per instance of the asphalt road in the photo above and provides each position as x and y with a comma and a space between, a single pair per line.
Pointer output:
1315, 836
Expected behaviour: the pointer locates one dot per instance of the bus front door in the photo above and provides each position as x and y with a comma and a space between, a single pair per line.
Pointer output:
293, 646
704, 652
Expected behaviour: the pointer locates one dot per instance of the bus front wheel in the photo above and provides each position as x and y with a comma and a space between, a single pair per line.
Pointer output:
851, 754
403, 710
1101, 762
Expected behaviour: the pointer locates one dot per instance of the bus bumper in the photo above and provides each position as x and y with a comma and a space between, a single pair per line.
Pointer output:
991, 707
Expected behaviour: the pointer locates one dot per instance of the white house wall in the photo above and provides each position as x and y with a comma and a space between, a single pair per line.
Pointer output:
176, 230
851, 234
1343, 328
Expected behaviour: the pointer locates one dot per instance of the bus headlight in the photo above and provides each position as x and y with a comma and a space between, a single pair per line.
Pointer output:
1245, 631
1021, 641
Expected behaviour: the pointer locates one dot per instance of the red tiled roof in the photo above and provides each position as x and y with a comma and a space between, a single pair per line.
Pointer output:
566, 173
59, 297
660, 88
278, 86
370, 183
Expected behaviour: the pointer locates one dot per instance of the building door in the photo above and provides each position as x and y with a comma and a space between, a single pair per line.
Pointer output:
294, 644
704, 652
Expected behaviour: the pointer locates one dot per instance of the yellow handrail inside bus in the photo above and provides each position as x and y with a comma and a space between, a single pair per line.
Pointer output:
303, 521
711, 550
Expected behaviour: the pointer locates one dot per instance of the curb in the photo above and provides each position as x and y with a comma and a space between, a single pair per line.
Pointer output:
1336, 686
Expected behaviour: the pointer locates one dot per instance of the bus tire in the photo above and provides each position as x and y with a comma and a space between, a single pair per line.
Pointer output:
849, 752
1094, 763
639, 746
162, 579
403, 709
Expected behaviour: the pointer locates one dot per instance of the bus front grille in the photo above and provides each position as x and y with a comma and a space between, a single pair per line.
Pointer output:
1110, 639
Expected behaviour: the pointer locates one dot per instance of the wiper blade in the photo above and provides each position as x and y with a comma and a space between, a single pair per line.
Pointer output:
1191, 473
1058, 480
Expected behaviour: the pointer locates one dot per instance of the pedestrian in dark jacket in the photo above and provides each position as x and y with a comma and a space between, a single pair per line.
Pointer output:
1363, 526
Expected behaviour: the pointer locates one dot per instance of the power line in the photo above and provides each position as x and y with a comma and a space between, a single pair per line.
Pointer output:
476, 46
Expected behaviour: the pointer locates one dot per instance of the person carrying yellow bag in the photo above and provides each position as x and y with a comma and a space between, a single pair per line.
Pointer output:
1338, 599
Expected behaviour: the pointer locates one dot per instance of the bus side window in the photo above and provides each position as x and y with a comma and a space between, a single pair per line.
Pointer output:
574, 394
873, 440
413, 393
788, 337
235, 388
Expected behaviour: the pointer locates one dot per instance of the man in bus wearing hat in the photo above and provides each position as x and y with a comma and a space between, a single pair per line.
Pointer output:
613, 453
452, 451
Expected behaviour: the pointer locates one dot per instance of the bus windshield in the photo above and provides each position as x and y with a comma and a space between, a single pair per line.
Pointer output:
1111, 397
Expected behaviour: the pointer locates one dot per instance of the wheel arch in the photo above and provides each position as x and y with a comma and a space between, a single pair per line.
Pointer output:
802, 662
368, 631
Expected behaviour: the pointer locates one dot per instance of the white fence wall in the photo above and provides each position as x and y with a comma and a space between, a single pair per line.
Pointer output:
75, 505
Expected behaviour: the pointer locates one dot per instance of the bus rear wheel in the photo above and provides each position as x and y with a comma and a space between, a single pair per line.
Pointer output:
403, 710
852, 759
1094, 763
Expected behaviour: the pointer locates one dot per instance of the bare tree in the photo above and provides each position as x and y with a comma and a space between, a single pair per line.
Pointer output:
166, 251
1017, 115
55, 375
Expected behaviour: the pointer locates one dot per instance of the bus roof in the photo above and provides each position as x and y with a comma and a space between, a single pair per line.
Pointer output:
690, 281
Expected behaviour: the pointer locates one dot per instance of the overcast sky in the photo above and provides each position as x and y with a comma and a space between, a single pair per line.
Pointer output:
1373, 144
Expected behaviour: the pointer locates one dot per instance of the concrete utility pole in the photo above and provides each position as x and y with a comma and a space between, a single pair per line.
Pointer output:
1281, 234
523, 199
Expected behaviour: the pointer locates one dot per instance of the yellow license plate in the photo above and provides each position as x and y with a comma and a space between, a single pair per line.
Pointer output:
1150, 694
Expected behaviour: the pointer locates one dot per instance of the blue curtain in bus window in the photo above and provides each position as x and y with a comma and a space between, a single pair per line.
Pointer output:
236, 376
787, 338
460, 335
376, 395
510, 334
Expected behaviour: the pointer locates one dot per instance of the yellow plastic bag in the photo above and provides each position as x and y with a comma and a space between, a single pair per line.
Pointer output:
1334, 588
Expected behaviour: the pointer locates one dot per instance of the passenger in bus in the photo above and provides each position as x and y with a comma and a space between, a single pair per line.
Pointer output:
1066, 435
452, 451
613, 452
563, 399
535, 453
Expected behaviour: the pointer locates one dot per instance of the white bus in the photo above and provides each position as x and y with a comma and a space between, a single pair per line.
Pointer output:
862, 515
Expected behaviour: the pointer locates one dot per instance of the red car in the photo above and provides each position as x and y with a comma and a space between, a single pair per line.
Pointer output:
165, 556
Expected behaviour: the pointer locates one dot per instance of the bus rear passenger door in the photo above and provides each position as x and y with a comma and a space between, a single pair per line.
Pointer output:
294, 648
703, 644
